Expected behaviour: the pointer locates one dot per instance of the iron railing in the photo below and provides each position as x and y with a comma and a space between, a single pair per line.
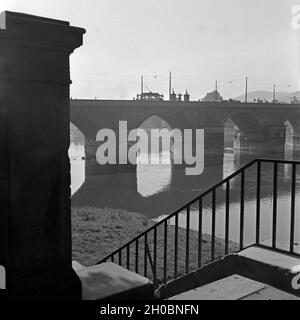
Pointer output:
165, 247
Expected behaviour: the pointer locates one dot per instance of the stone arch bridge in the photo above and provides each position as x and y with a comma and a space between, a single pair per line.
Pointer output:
261, 126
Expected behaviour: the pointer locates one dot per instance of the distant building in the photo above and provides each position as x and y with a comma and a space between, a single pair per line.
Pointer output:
186, 96
212, 96
178, 97
295, 100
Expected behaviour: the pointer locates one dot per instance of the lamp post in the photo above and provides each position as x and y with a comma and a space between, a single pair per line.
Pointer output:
246, 90
274, 89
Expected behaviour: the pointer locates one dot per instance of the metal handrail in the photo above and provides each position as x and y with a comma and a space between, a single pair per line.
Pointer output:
164, 222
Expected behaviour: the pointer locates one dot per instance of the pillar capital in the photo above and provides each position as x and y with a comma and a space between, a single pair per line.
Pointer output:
36, 49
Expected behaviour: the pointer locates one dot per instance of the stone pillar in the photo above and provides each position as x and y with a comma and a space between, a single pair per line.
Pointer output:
35, 227
213, 146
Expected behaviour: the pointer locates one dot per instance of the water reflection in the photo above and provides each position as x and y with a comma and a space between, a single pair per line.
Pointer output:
76, 154
152, 179
158, 190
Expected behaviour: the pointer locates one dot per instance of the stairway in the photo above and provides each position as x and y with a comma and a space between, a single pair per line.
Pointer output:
269, 268
255, 273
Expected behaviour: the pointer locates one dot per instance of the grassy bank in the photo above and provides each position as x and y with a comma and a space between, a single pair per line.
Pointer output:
98, 232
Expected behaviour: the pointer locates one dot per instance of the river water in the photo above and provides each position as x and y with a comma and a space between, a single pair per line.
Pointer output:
158, 190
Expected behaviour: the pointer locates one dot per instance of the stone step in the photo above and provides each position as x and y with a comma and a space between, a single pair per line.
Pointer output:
110, 281
273, 258
270, 293
278, 269
235, 287
272, 268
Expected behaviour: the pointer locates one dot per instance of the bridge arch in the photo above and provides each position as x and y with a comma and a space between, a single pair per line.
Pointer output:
288, 127
171, 120
231, 130
292, 138
76, 134
155, 122
292, 124
246, 121
160, 175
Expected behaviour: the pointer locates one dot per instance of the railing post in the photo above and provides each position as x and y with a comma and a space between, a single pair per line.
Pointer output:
274, 228
242, 209
151, 263
227, 215
128, 256
187, 249
137, 256
155, 253
200, 234
120, 257
293, 193
176, 246
213, 225
145, 254
165, 273
258, 179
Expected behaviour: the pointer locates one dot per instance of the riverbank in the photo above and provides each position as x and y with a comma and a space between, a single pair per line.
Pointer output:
98, 232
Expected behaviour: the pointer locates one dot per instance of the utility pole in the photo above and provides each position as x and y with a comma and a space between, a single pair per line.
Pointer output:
274, 93
216, 91
246, 91
170, 84
142, 84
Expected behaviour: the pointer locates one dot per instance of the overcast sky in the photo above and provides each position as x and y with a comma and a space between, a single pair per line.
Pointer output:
198, 40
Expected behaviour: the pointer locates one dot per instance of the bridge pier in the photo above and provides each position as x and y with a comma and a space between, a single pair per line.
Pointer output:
293, 140
214, 146
267, 141
94, 168
211, 150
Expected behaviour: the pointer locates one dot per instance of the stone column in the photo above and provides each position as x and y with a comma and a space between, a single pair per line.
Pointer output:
35, 227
